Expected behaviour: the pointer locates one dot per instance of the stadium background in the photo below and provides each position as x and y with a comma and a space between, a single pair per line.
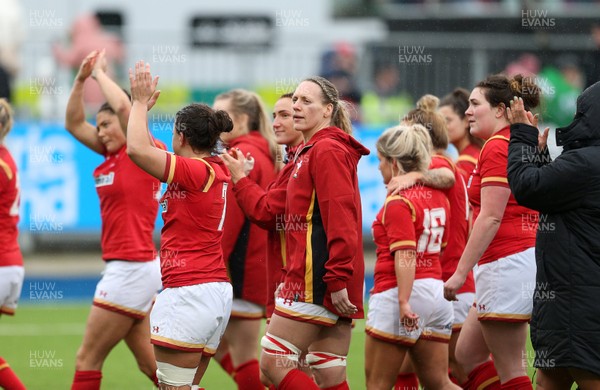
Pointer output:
202, 48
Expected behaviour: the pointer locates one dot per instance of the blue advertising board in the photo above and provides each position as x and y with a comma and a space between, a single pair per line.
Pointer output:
58, 193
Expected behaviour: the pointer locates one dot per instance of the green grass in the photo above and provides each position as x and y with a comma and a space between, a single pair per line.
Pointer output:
41, 341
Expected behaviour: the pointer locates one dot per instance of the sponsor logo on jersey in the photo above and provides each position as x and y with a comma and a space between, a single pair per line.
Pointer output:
105, 180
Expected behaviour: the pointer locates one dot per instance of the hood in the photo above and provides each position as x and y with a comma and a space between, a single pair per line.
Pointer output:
352, 145
255, 139
584, 130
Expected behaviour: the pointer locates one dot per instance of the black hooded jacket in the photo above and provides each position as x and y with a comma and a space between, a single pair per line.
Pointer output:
565, 324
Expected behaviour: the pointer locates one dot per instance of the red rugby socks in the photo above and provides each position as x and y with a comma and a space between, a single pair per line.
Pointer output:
8, 378
87, 380
407, 381
227, 364
296, 379
247, 376
483, 377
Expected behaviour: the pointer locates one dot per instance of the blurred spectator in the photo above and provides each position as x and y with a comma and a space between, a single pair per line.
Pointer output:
348, 92
339, 65
341, 57
527, 65
12, 35
561, 84
386, 103
88, 35
592, 63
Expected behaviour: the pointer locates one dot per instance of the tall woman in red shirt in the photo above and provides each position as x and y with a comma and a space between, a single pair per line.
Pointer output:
453, 107
11, 260
191, 313
244, 243
322, 289
501, 244
131, 279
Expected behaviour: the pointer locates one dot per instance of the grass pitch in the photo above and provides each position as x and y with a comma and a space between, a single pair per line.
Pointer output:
40, 343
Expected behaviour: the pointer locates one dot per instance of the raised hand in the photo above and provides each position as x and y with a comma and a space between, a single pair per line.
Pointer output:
100, 64
543, 139
516, 113
235, 161
143, 87
87, 65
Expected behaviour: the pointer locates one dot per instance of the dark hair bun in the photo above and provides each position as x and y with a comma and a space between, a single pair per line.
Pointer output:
223, 122
201, 125
498, 89
526, 88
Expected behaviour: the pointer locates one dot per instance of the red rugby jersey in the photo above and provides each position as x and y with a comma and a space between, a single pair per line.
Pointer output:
467, 159
519, 224
415, 219
9, 210
244, 243
193, 209
458, 229
324, 222
128, 207
266, 208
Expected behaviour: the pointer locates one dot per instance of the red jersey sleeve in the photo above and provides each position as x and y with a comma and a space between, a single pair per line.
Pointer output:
493, 162
262, 207
336, 195
188, 173
398, 219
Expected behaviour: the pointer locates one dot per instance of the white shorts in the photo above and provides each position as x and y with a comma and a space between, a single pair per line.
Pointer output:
191, 318
504, 288
128, 287
305, 312
11, 283
426, 300
461, 308
246, 310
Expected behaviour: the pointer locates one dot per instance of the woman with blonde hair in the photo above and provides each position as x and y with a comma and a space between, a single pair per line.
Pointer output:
426, 114
322, 290
407, 311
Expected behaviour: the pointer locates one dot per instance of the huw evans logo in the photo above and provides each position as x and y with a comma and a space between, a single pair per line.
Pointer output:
413, 55
537, 19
